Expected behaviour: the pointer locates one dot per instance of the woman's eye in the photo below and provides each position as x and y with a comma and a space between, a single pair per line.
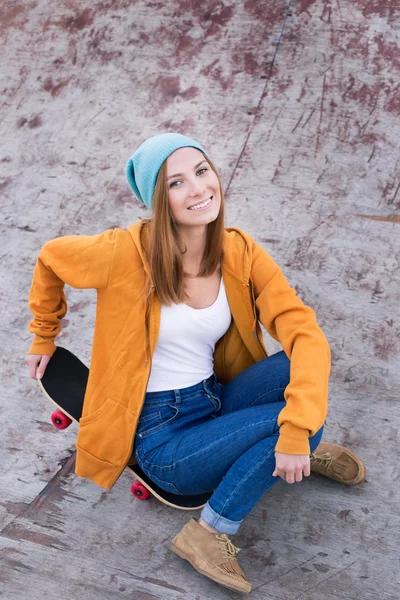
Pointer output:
199, 172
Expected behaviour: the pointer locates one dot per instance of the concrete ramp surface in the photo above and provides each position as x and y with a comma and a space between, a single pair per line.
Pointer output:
298, 105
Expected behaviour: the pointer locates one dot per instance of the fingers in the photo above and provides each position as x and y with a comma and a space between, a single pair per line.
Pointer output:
290, 476
291, 468
37, 364
32, 361
42, 366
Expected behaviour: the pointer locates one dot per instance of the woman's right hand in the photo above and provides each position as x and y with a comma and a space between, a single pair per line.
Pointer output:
37, 364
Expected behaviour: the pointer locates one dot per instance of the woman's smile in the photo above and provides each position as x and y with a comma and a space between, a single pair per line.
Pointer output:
202, 205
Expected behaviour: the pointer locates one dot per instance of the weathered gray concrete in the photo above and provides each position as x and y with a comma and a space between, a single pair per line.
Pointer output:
298, 103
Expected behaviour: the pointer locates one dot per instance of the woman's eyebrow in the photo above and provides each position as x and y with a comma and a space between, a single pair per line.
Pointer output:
180, 174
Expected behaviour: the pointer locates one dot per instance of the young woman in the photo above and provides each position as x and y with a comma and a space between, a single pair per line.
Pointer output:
179, 371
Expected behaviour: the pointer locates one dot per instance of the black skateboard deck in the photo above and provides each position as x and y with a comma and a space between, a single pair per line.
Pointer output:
64, 383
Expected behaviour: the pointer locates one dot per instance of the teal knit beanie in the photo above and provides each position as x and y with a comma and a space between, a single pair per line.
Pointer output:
143, 166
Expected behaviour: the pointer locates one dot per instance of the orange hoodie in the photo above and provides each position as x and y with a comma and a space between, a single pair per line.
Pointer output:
126, 331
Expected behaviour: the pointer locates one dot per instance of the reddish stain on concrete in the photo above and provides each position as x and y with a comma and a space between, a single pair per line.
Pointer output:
361, 92
9, 14
273, 71
124, 197
143, 37
207, 70
326, 12
179, 126
17, 531
377, 7
354, 40
388, 54
167, 87
393, 104
215, 20
304, 5
303, 90
5, 183
390, 196
186, 45
14, 508
21, 122
106, 57
78, 306
54, 89
79, 21
35, 122
98, 39
215, 73
114, 5
282, 84
269, 13
46, 507
190, 93
156, 5
249, 64
385, 345
367, 8
209, 12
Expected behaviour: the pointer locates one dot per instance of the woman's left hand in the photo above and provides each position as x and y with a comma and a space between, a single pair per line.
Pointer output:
291, 467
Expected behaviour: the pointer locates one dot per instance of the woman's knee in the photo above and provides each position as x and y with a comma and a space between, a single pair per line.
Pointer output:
280, 364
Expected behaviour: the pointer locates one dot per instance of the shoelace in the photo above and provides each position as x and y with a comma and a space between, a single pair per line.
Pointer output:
231, 550
324, 461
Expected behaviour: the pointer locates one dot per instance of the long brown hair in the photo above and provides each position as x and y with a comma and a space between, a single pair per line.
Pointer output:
163, 247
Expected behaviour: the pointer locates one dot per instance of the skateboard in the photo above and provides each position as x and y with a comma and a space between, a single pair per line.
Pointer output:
64, 384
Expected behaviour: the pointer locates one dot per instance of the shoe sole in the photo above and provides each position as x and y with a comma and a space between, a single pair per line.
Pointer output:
230, 587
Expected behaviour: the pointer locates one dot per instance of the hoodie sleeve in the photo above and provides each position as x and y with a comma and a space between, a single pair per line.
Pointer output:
81, 261
295, 326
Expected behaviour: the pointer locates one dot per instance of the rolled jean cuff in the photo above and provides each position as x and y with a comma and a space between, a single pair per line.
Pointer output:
215, 520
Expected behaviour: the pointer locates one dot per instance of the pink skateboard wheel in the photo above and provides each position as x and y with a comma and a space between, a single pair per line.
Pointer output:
139, 491
60, 420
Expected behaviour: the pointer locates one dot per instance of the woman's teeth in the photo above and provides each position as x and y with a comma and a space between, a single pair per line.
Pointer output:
202, 205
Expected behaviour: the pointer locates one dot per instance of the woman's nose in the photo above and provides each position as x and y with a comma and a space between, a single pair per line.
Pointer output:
196, 188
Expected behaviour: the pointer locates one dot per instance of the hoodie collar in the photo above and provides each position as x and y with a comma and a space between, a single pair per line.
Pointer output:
237, 252
140, 237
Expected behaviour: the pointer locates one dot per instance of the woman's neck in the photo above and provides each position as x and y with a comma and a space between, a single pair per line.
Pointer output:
194, 240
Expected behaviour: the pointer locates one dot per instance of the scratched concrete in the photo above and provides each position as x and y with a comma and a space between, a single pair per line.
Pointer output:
299, 105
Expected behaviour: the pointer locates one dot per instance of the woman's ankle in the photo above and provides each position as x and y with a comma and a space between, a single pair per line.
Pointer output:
207, 526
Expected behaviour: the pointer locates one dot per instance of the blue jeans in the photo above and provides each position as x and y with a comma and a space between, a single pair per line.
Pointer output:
212, 437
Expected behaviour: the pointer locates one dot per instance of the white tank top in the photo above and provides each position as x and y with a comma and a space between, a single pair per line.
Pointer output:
186, 343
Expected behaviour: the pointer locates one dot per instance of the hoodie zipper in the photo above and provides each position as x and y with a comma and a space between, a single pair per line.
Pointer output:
253, 307
253, 310
148, 348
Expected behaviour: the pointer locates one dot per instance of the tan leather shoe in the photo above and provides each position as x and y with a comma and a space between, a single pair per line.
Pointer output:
212, 555
339, 463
